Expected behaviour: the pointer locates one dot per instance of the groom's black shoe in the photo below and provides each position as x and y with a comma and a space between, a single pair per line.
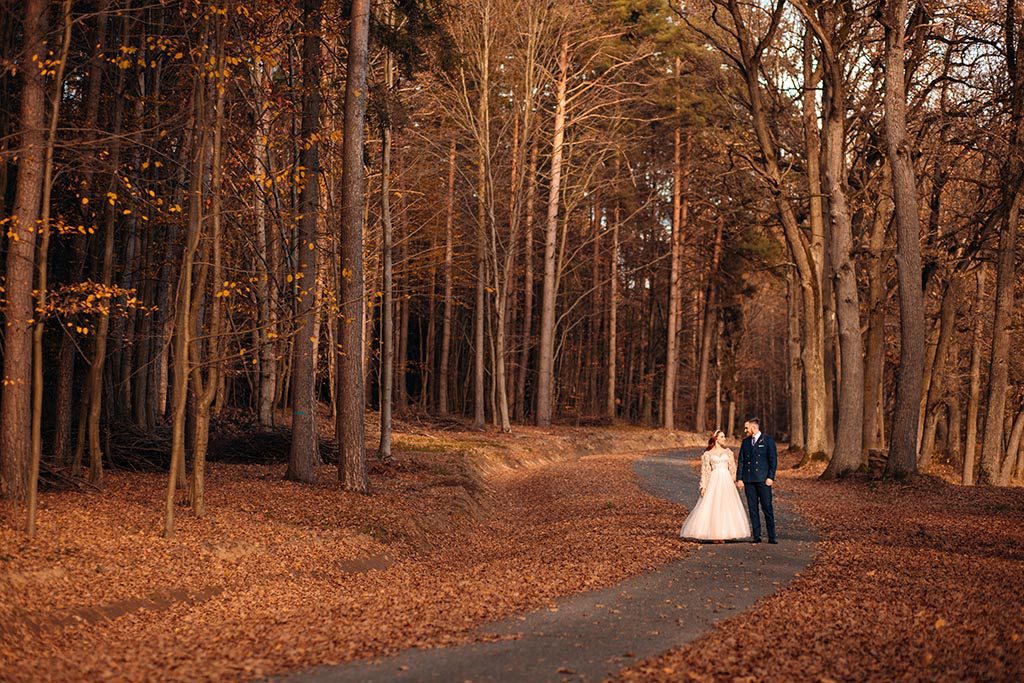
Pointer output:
772, 541
756, 540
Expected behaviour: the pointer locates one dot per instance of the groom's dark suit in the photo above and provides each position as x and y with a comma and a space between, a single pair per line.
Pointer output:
757, 463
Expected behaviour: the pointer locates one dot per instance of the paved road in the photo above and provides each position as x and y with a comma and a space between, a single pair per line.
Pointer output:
593, 635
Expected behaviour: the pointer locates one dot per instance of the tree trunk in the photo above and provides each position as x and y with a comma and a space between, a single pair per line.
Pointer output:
974, 392
183, 312
427, 366
874, 353
205, 389
304, 455
266, 334
350, 425
708, 331
41, 268
15, 401
795, 383
404, 302
94, 381
675, 290
65, 396
999, 365
902, 461
545, 374
613, 314
387, 322
800, 250
848, 452
446, 318
524, 359
1013, 445
934, 403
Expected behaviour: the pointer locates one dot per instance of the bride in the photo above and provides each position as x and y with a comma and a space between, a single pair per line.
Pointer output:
719, 515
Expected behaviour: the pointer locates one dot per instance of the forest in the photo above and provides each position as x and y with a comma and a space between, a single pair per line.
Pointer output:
294, 233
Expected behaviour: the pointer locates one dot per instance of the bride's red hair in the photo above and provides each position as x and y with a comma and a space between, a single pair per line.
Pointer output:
714, 438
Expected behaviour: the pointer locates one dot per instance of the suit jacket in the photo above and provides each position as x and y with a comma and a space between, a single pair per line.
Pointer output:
757, 463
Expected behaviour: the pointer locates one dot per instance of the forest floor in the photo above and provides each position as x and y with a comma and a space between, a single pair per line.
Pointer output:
462, 528
915, 582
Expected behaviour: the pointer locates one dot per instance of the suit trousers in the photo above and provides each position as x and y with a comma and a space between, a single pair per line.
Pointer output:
759, 493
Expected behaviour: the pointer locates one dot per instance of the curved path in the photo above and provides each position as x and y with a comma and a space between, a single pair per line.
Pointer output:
594, 635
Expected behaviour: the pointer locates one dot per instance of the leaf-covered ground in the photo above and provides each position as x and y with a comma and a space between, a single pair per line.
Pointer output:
280, 575
919, 582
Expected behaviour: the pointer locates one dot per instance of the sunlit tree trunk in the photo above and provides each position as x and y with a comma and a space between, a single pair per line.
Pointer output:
874, 351
902, 460
446, 318
183, 311
205, 387
795, 375
675, 289
545, 374
613, 313
387, 320
848, 452
483, 133
800, 248
708, 332
267, 332
527, 336
350, 427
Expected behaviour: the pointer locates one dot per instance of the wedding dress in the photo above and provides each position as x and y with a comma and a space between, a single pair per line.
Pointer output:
719, 515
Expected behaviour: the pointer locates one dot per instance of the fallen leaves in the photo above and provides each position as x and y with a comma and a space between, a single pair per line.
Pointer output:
917, 582
280, 576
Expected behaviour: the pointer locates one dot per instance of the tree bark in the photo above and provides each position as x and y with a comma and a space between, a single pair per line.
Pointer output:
708, 331
350, 425
65, 397
94, 380
675, 290
183, 312
800, 250
874, 354
387, 322
1013, 445
446, 318
41, 268
15, 401
974, 392
795, 383
266, 334
934, 402
545, 374
902, 461
848, 452
999, 365
304, 455
527, 337
613, 314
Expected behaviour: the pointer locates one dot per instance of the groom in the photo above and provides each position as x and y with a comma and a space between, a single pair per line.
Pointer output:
755, 472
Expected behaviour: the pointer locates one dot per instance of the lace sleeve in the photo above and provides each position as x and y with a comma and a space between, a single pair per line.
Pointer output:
705, 470
732, 464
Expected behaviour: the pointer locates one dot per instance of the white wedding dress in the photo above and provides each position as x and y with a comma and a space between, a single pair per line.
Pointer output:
719, 515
